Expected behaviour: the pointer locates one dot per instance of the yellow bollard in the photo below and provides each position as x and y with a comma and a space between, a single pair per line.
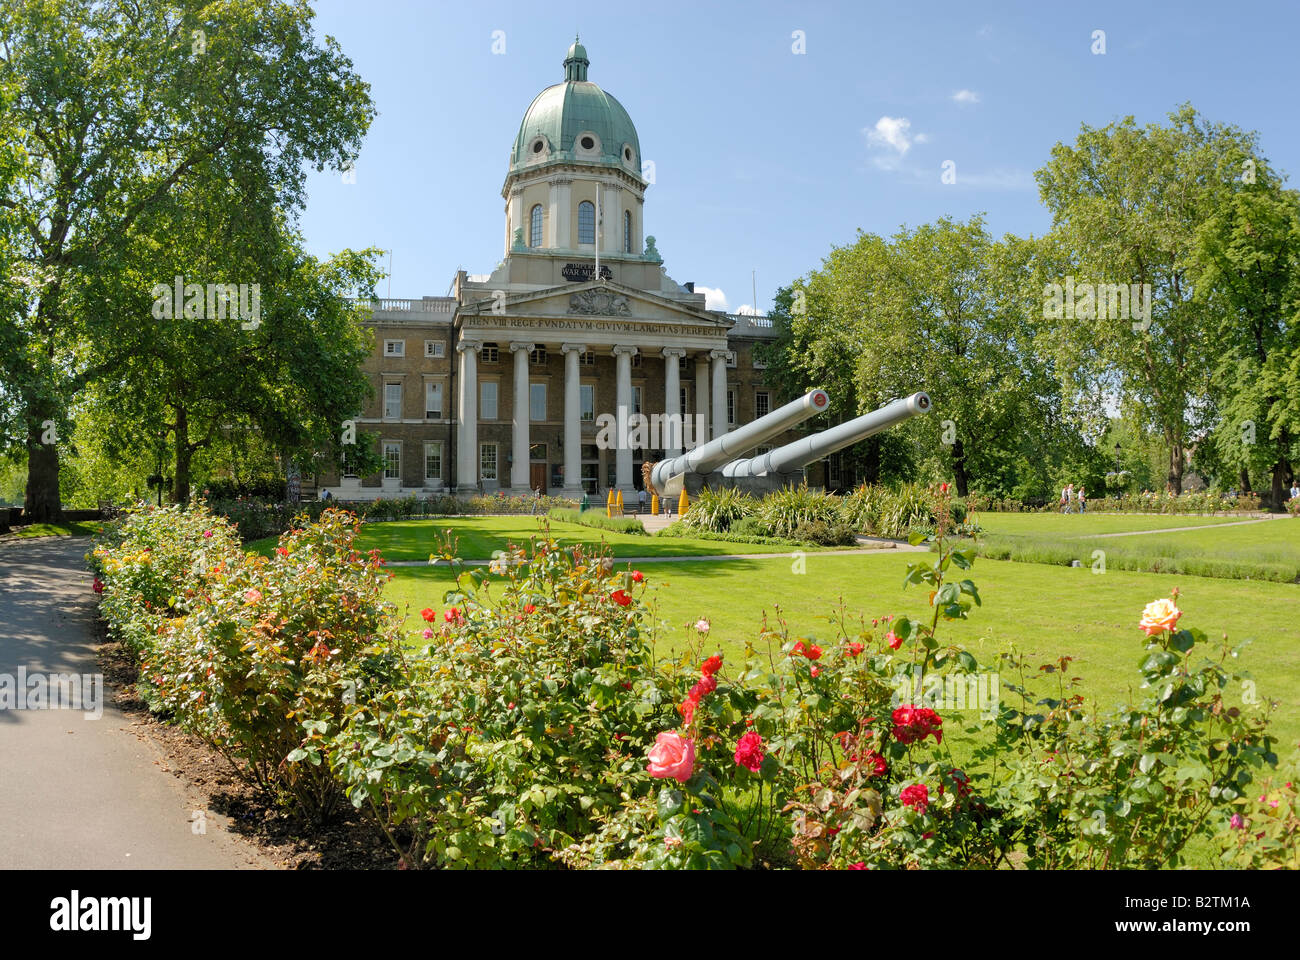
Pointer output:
609, 503
683, 503
654, 504
618, 504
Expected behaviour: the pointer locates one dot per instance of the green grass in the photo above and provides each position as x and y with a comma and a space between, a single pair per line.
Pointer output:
75, 528
480, 536
1268, 550
1087, 524
1045, 612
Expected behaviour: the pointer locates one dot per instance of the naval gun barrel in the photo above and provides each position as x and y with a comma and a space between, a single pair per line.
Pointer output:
709, 456
805, 450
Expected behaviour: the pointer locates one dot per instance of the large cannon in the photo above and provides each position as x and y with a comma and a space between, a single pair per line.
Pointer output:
784, 465
669, 476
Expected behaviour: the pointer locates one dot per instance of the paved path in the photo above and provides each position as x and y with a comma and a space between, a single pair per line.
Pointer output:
83, 793
1201, 526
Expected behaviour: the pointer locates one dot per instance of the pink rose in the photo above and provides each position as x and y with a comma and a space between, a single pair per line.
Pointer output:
672, 757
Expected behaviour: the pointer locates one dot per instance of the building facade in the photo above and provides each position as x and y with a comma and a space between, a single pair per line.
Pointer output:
506, 384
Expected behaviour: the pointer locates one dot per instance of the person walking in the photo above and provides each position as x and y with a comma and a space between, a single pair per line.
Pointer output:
1065, 500
1083, 499
640, 500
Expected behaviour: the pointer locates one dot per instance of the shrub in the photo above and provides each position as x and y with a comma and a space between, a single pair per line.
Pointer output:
783, 511
519, 733
598, 519
716, 510
825, 534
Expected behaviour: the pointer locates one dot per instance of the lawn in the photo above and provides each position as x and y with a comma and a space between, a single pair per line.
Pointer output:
480, 536
73, 529
1267, 550
1088, 524
1044, 611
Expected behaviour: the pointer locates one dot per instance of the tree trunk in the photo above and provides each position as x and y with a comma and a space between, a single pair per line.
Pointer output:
1278, 495
1245, 480
1175, 479
181, 486
42, 503
959, 467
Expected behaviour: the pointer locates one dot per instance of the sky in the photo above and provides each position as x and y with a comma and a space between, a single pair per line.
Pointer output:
776, 130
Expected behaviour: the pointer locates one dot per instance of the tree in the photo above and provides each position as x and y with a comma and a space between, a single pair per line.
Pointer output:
1246, 270
1126, 203
114, 105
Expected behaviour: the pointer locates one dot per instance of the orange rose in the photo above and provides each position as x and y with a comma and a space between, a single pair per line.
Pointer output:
1159, 615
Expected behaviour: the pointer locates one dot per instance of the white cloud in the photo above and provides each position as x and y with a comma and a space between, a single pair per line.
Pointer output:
966, 96
985, 31
891, 138
714, 298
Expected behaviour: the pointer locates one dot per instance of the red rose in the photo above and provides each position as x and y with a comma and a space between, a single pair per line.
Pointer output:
816, 671
876, 762
97, 585
814, 652
705, 687
529, 608
798, 649
860, 865
943, 487
711, 665
893, 640
687, 709
637, 576
451, 614
429, 614
917, 796
749, 751
916, 723
621, 597
855, 648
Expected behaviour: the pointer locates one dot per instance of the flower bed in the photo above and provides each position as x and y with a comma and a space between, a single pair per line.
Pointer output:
530, 723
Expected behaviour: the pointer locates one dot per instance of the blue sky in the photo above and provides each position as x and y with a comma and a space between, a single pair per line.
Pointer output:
765, 158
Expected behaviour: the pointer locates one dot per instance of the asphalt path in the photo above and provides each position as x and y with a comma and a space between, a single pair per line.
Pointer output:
79, 792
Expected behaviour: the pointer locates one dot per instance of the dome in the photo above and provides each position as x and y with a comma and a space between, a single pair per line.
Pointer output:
576, 121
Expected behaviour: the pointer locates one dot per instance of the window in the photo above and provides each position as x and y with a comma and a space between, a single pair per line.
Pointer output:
636, 359
586, 222
537, 401
627, 229
535, 226
434, 348
432, 401
392, 401
491, 353
587, 358
761, 404
433, 461
394, 348
587, 398
588, 143
538, 355
487, 461
537, 451
589, 451
636, 399
765, 448
731, 359
731, 407
755, 362
392, 461
487, 400
681, 365
590, 477
683, 406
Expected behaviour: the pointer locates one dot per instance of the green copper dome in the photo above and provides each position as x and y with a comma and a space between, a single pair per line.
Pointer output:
576, 121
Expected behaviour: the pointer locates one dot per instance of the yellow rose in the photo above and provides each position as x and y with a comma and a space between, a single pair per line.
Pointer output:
1159, 615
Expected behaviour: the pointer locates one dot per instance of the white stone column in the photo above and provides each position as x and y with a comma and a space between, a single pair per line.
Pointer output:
561, 214
702, 394
517, 218
572, 420
467, 418
672, 431
519, 433
719, 358
612, 213
623, 450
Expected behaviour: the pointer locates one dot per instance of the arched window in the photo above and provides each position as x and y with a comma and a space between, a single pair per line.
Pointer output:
627, 231
586, 222
535, 227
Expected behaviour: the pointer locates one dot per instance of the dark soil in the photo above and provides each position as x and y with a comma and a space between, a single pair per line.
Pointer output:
347, 842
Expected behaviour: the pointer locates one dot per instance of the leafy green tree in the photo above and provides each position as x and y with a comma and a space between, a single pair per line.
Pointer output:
1246, 270
113, 106
1126, 203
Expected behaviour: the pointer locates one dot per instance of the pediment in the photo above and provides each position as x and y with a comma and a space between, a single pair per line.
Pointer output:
596, 299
